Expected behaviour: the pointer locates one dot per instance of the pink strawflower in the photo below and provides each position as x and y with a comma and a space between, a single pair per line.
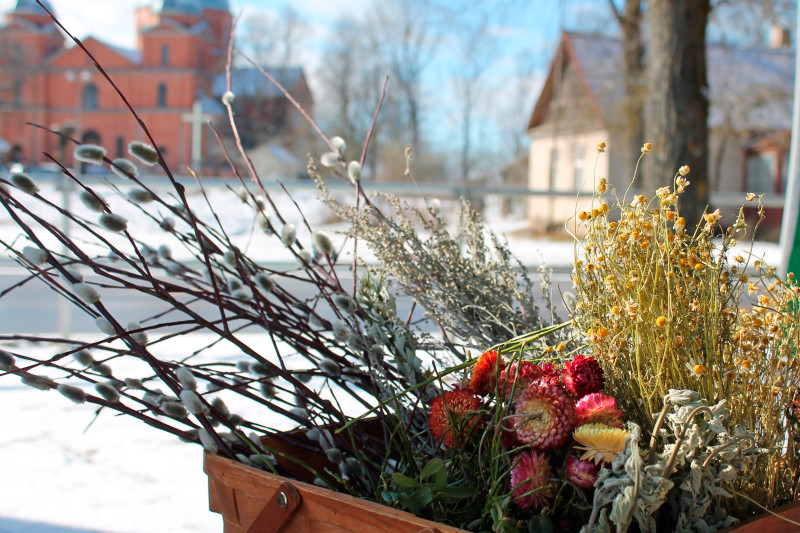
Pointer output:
598, 408
582, 473
485, 371
516, 377
583, 376
531, 473
545, 415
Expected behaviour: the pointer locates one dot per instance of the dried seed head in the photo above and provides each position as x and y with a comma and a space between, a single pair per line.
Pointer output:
227, 98
34, 255
113, 222
143, 152
354, 171
164, 252
36, 382
289, 234
6, 360
124, 168
134, 383
103, 369
139, 337
90, 153
86, 292
329, 159
330, 367
191, 400
73, 394
175, 410
340, 330
104, 325
92, 200
186, 378
265, 281
322, 242
83, 358
138, 195
107, 391
24, 183
338, 143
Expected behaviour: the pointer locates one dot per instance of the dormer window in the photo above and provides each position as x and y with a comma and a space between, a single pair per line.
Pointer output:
161, 96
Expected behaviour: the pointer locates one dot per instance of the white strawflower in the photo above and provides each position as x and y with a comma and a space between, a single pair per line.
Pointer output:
143, 152
90, 153
124, 168
92, 200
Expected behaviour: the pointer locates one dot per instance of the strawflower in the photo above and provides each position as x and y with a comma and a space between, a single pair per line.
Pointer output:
530, 481
598, 408
485, 371
545, 415
583, 376
599, 442
450, 410
581, 473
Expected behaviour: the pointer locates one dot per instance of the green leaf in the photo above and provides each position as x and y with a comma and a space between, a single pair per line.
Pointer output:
541, 524
405, 481
441, 478
423, 496
408, 504
433, 467
389, 496
458, 492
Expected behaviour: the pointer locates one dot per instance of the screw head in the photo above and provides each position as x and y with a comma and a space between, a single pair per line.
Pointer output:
283, 499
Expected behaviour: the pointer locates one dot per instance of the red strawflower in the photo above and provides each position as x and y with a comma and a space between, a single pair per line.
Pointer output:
516, 377
598, 408
545, 415
582, 473
450, 410
531, 473
583, 376
485, 371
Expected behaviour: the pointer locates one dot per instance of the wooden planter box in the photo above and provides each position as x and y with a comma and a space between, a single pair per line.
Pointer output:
768, 523
255, 501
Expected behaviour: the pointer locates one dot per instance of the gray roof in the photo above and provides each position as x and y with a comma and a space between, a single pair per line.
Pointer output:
192, 7
753, 87
30, 6
250, 82
134, 56
220, 5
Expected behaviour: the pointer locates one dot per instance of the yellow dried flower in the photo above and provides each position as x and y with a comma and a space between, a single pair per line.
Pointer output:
684, 170
661, 321
601, 147
750, 197
647, 148
601, 186
599, 442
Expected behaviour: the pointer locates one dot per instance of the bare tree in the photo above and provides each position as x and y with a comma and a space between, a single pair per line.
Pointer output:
274, 39
677, 104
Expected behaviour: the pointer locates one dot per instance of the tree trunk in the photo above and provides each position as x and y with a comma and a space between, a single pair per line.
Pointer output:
676, 118
630, 20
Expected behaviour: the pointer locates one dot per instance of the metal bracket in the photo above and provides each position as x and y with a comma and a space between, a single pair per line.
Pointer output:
278, 510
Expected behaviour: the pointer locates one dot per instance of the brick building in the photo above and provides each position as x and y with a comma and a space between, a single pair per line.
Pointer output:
181, 50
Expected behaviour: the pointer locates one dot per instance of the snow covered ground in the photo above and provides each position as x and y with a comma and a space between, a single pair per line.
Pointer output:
58, 475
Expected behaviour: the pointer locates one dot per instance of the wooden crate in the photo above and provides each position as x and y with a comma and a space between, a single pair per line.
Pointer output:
254, 501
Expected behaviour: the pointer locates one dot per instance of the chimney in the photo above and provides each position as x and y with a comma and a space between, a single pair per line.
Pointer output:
780, 37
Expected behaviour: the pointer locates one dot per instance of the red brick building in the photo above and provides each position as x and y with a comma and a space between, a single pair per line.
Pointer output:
181, 49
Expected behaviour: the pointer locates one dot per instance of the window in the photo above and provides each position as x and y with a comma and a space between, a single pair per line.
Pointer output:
164, 55
121, 147
17, 93
762, 172
553, 167
90, 96
578, 158
17, 54
161, 99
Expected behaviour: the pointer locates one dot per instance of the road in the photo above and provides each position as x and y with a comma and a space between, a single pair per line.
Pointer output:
33, 308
